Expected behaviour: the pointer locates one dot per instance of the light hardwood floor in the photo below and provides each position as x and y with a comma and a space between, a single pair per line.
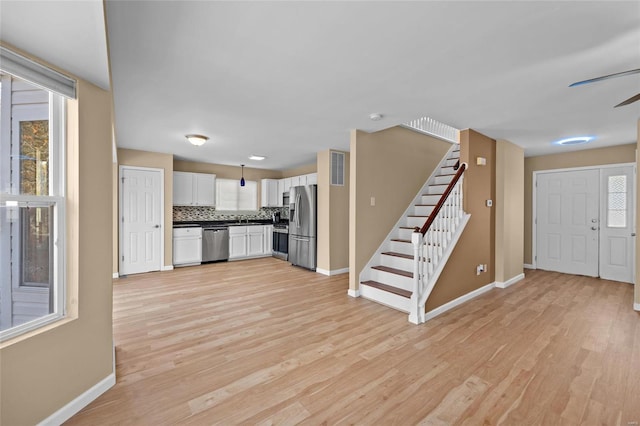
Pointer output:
262, 342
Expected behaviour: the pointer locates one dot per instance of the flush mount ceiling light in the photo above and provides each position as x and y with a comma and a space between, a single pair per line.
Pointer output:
257, 157
375, 116
197, 140
578, 140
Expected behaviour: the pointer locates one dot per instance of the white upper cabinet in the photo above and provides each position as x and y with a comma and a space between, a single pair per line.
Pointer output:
312, 179
205, 189
194, 189
270, 196
182, 189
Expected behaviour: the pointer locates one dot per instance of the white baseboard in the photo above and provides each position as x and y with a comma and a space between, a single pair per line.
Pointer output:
334, 272
636, 306
86, 398
459, 301
353, 293
509, 282
529, 266
116, 275
167, 268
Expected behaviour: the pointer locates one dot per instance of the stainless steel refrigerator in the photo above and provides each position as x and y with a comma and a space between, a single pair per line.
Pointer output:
302, 226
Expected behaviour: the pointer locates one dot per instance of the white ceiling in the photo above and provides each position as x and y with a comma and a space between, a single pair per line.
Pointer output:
289, 79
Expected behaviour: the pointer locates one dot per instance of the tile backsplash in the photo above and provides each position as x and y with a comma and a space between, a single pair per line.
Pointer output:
195, 213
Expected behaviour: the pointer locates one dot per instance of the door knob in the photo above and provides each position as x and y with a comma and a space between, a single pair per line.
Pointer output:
633, 234
594, 220
594, 228
157, 226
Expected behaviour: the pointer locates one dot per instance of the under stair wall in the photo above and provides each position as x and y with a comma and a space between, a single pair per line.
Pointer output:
477, 243
391, 166
387, 245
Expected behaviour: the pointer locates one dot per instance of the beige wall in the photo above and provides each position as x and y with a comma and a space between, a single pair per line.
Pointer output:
302, 170
589, 157
156, 160
509, 210
324, 212
390, 165
637, 285
333, 216
477, 242
44, 372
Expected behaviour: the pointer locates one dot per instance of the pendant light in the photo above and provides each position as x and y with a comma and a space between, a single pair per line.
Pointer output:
242, 178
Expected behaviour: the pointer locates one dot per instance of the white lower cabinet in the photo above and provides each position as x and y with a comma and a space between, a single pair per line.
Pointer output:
187, 246
249, 241
268, 239
255, 240
237, 242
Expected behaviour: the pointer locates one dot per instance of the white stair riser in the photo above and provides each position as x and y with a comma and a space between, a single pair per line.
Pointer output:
395, 280
404, 233
423, 210
447, 171
443, 180
430, 199
412, 221
397, 262
404, 248
451, 162
384, 297
436, 189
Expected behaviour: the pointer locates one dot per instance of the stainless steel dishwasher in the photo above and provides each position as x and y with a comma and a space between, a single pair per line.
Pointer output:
215, 243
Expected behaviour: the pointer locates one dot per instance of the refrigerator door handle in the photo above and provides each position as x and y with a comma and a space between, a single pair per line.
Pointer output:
298, 196
300, 239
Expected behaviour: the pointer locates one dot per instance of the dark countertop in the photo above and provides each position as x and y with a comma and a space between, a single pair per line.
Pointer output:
224, 222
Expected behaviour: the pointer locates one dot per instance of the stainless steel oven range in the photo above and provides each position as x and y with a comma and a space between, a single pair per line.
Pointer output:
280, 241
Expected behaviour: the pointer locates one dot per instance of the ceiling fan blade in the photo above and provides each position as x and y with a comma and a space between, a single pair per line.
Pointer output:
629, 101
605, 77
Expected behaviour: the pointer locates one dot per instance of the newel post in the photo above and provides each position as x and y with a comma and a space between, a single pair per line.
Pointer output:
417, 241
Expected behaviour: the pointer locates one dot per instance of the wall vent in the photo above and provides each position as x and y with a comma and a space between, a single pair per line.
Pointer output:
337, 168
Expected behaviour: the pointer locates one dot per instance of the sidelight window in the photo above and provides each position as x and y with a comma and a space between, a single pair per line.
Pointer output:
617, 201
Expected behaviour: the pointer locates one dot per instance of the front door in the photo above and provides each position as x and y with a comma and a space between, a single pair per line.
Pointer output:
617, 224
567, 213
140, 220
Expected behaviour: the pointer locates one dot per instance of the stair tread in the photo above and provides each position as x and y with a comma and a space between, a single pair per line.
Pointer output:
388, 288
400, 240
425, 205
393, 271
395, 254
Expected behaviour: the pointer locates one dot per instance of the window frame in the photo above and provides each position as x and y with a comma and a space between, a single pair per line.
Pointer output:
10, 197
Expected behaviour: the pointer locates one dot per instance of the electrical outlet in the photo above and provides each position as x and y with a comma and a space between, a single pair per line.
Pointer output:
478, 269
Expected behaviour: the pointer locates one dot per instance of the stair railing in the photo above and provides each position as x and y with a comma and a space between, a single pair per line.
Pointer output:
430, 242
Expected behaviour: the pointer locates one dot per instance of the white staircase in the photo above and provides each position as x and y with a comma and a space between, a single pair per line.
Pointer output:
405, 268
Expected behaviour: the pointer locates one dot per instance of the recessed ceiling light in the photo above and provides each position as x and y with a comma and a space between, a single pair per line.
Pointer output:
197, 140
579, 140
257, 157
375, 116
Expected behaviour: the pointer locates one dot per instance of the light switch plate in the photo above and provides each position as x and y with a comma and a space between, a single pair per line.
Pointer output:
373, 201
489, 203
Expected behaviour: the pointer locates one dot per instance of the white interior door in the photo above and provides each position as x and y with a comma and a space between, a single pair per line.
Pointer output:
141, 220
617, 226
567, 213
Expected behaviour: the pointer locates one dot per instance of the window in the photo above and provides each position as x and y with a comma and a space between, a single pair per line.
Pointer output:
32, 291
617, 201
231, 196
